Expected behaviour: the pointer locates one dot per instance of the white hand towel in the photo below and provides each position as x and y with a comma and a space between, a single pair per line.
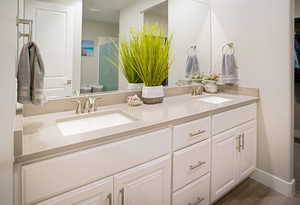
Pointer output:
229, 69
192, 66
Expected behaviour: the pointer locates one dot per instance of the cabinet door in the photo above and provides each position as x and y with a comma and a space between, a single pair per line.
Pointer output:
224, 154
98, 193
247, 156
147, 184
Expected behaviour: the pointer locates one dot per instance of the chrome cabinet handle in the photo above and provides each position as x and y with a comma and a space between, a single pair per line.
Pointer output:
239, 143
199, 132
109, 198
198, 201
199, 164
243, 141
122, 192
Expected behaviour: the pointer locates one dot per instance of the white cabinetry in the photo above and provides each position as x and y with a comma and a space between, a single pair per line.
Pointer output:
223, 163
233, 158
148, 184
99, 193
210, 156
247, 155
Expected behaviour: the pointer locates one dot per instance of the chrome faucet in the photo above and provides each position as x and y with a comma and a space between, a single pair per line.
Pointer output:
197, 90
78, 108
88, 106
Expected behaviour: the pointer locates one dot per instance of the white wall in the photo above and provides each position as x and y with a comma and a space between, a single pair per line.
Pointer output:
8, 40
191, 28
92, 30
162, 21
262, 32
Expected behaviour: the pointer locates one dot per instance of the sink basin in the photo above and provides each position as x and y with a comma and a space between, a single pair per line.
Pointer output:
214, 99
93, 121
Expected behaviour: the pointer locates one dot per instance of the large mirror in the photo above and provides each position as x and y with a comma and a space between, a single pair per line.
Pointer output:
79, 38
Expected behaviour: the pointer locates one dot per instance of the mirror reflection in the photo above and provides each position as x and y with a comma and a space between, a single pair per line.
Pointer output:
79, 40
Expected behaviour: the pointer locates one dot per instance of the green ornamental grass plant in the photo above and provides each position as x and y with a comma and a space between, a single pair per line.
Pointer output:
149, 52
127, 61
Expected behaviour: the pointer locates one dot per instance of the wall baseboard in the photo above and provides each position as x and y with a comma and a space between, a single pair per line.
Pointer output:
284, 187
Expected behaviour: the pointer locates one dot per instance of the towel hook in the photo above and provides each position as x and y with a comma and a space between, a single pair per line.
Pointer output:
25, 22
192, 48
230, 46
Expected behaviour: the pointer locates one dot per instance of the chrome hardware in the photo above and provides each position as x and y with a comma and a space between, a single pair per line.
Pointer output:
122, 192
198, 201
199, 164
197, 90
199, 132
78, 106
243, 141
25, 22
239, 143
109, 198
90, 105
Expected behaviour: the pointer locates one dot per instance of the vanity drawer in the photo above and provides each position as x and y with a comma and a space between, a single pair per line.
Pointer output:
191, 132
191, 163
229, 119
195, 193
54, 176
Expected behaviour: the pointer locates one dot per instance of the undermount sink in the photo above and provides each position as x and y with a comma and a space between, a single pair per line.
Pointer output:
214, 99
92, 121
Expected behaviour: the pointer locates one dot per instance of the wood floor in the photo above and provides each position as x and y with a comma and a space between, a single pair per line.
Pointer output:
251, 192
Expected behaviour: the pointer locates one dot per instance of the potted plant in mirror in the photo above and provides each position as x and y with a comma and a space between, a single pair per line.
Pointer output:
124, 60
151, 53
210, 83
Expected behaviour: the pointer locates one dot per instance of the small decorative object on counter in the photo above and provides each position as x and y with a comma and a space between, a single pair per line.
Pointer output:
134, 101
210, 83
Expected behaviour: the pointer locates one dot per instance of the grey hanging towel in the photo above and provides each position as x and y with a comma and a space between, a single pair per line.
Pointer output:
192, 66
30, 76
229, 69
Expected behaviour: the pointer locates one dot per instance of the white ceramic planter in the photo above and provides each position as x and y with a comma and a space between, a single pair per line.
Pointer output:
153, 95
211, 86
135, 86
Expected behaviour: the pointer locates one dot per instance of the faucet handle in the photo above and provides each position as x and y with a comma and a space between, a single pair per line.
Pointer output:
93, 102
78, 106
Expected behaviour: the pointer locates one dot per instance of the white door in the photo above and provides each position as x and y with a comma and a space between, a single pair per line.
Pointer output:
98, 193
148, 184
224, 154
53, 33
247, 156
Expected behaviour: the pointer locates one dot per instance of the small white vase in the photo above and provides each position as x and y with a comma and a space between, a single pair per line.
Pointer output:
135, 86
153, 95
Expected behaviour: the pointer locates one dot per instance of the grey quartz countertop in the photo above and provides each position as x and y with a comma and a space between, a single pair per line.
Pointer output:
42, 138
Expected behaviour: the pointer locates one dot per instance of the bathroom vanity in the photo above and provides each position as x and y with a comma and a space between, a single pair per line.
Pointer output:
186, 151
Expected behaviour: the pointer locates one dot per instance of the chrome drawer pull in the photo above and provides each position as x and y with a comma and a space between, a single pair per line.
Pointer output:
109, 197
122, 192
238, 147
199, 164
243, 141
199, 132
198, 201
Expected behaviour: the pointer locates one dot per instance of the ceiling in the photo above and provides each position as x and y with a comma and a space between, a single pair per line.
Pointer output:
104, 10
160, 9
